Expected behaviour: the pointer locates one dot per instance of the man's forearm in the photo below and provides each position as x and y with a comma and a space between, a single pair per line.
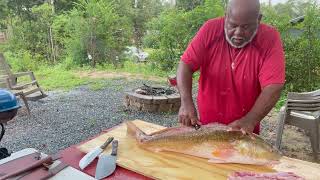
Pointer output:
265, 102
184, 81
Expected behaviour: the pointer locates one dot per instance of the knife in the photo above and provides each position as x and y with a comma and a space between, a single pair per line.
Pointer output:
48, 160
88, 158
197, 126
107, 163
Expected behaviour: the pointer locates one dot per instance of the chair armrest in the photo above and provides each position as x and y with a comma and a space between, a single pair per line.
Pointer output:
19, 87
304, 95
314, 101
313, 93
30, 73
306, 114
316, 114
12, 80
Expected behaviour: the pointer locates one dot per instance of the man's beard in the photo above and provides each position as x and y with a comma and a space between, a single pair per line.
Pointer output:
244, 43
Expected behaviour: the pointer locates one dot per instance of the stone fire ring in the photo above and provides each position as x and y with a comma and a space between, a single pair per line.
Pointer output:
146, 103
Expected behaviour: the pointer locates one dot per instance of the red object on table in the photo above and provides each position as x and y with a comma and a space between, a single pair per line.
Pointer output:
72, 156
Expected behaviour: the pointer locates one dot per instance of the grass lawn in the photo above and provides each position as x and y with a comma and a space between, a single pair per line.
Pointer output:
59, 78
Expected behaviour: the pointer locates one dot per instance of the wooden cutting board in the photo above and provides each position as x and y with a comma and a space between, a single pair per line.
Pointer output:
167, 165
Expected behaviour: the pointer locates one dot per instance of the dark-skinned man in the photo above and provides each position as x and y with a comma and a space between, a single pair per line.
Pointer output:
242, 70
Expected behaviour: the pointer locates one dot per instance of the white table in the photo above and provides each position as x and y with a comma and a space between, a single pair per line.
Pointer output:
69, 172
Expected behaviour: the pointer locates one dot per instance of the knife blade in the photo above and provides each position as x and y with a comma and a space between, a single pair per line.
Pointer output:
90, 156
107, 163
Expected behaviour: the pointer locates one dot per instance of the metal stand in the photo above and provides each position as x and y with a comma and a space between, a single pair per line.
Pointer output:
3, 151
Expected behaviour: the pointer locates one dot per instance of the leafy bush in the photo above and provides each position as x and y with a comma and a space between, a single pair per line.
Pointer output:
68, 32
302, 46
22, 61
32, 35
173, 29
97, 34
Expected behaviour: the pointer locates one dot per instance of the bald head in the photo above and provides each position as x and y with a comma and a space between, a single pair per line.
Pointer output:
241, 21
244, 8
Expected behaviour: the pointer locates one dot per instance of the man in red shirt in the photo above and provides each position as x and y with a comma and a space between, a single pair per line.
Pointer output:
242, 70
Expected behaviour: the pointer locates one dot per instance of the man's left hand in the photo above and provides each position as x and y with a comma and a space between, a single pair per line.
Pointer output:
246, 126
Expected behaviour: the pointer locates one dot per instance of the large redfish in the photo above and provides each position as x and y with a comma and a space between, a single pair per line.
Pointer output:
213, 142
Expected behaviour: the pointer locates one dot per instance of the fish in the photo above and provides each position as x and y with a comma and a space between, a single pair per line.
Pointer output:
212, 141
264, 176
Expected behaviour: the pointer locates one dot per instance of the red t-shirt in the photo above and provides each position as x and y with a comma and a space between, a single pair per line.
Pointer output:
226, 94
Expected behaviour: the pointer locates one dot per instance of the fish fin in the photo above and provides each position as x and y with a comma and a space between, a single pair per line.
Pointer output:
134, 131
271, 164
223, 153
156, 150
173, 129
216, 161
131, 128
160, 131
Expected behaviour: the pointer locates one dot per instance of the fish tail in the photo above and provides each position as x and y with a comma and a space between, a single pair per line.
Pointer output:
134, 131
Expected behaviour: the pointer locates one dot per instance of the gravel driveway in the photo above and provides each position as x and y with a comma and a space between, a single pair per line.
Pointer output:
67, 118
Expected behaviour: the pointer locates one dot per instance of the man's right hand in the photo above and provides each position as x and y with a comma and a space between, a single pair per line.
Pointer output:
188, 115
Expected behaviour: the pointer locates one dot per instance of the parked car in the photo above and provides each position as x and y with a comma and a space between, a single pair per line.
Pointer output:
136, 54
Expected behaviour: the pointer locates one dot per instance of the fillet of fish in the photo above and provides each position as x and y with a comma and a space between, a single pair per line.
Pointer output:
264, 176
213, 142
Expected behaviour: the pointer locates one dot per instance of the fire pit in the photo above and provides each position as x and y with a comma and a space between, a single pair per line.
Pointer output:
153, 99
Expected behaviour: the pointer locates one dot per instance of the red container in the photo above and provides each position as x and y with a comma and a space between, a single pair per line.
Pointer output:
172, 80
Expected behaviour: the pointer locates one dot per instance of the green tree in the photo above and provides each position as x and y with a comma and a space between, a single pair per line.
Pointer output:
23, 8
189, 4
62, 6
301, 42
143, 12
171, 32
33, 35
97, 34
4, 13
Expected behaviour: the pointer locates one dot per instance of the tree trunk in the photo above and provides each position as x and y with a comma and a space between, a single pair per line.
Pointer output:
53, 54
53, 51
135, 3
93, 43
225, 4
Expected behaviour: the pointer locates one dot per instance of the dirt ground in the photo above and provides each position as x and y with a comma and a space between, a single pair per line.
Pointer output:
129, 76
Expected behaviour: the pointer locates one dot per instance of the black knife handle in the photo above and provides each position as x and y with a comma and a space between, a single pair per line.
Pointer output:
109, 140
114, 147
197, 126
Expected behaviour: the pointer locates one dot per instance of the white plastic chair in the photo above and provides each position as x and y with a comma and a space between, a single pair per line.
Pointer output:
301, 110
